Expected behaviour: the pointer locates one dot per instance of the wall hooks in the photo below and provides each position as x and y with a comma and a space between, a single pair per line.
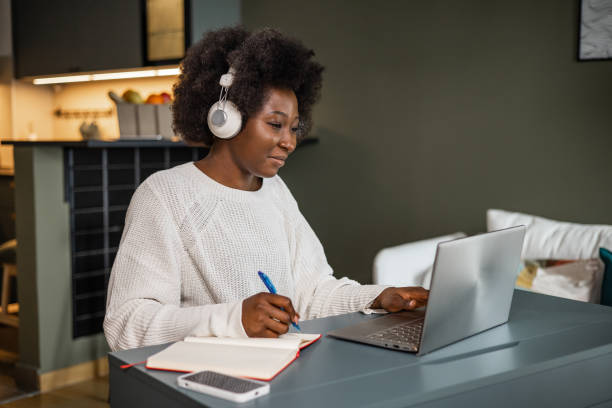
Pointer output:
75, 114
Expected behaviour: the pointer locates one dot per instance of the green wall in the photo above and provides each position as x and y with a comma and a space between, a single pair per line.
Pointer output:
434, 111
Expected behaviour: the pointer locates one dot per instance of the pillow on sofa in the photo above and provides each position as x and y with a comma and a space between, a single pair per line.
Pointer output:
577, 280
550, 239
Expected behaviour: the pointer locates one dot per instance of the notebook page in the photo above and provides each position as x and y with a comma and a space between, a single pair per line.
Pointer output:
253, 362
280, 343
305, 338
287, 340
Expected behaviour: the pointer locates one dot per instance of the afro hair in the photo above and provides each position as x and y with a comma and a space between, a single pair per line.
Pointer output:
263, 59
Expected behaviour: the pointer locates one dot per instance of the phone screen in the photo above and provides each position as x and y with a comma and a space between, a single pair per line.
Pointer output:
222, 381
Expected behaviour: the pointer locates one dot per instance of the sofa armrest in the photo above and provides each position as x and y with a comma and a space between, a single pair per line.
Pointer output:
408, 264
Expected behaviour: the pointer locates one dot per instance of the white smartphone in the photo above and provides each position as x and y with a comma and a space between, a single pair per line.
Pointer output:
224, 386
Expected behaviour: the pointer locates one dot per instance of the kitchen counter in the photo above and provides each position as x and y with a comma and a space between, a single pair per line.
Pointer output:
114, 142
96, 142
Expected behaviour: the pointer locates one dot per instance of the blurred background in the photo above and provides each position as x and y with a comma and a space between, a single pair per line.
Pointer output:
431, 113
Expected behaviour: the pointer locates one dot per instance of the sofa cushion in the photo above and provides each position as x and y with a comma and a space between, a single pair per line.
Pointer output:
550, 239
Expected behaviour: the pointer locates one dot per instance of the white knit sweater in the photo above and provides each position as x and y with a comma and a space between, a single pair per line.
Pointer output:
190, 252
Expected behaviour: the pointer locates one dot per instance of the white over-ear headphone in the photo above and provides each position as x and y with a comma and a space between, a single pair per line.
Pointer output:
224, 118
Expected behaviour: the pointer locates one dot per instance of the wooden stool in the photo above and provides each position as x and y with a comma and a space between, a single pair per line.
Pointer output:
9, 268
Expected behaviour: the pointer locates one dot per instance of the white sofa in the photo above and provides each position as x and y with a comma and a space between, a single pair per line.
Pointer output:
410, 264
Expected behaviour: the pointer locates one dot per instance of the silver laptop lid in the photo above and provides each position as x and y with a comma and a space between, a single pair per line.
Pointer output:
472, 285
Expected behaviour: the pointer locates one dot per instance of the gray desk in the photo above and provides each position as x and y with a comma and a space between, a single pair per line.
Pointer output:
553, 352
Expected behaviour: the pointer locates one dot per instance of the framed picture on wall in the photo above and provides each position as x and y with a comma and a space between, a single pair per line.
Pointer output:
595, 30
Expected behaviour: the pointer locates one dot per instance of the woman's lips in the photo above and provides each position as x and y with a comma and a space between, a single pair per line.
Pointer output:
279, 160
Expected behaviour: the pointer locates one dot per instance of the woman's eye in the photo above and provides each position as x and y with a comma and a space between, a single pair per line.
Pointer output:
295, 129
275, 125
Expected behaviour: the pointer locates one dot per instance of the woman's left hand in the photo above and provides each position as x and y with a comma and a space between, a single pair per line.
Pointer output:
396, 299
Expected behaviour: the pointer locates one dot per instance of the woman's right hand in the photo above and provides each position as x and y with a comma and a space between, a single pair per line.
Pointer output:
262, 315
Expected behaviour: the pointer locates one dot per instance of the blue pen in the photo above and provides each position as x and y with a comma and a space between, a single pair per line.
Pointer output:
272, 290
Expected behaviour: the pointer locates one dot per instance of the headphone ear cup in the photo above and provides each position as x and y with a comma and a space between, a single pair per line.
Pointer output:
224, 121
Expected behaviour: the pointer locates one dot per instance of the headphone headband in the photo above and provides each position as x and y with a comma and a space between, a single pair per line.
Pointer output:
227, 79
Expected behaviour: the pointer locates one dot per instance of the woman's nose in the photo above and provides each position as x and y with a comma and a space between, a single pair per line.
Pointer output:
288, 141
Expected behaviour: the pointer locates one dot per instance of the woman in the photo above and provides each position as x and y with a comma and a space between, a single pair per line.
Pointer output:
197, 234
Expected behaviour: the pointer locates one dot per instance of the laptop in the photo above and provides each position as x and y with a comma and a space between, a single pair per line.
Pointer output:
472, 284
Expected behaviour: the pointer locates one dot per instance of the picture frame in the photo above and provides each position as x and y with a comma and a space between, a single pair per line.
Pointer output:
595, 40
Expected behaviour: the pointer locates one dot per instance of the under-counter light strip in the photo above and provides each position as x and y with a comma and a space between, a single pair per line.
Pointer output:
72, 78
123, 75
107, 76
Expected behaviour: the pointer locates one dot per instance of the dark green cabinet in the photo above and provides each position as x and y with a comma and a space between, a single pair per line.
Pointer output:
55, 37
69, 36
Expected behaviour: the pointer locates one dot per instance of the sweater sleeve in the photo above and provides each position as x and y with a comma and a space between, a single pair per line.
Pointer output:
144, 292
318, 292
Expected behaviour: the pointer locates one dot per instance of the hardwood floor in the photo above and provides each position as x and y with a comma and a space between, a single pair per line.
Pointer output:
93, 393
90, 394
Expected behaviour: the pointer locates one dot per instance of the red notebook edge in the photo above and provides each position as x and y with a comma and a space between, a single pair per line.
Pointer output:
252, 378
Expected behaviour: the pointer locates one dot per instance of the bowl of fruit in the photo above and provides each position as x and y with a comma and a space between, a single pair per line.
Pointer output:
141, 118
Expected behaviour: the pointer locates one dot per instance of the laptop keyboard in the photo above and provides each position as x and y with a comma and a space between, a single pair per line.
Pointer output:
405, 335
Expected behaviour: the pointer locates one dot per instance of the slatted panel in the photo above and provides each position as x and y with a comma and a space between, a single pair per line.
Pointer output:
99, 185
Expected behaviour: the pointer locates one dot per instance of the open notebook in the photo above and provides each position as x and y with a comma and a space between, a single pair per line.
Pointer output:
257, 358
